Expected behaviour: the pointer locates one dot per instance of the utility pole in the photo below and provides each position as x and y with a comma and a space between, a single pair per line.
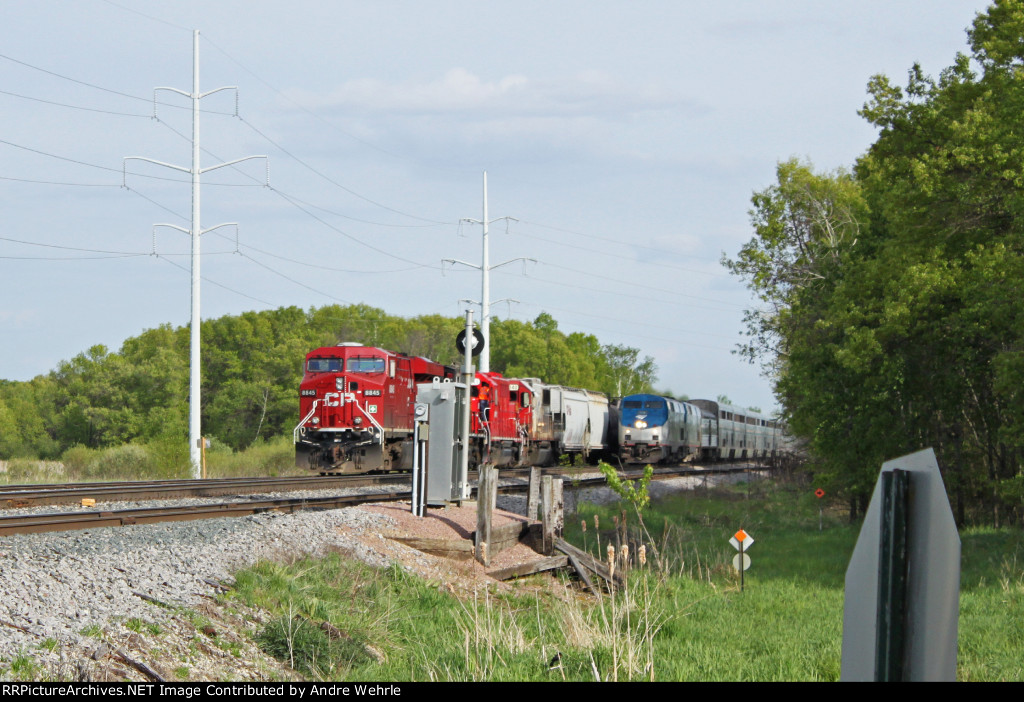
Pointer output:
194, 428
485, 270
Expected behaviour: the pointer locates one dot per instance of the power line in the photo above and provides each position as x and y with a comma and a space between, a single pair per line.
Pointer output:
640, 336
106, 90
618, 256
613, 241
336, 183
327, 224
214, 282
362, 271
114, 170
75, 107
149, 17
54, 182
661, 291
72, 80
72, 248
632, 322
154, 202
292, 280
68, 258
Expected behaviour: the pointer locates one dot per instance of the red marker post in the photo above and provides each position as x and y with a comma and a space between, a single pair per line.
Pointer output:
819, 493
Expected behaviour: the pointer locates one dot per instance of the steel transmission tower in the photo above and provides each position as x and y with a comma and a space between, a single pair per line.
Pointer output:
485, 273
194, 392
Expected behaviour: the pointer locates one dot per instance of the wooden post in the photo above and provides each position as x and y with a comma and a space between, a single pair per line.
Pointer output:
547, 514
533, 495
559, 506
486, 497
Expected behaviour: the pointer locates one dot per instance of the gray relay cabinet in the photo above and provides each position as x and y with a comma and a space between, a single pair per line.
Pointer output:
445, 403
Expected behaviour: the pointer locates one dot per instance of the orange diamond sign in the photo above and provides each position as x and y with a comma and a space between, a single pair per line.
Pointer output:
741, 539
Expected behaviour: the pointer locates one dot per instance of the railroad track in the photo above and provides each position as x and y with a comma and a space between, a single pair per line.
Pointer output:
12, 496
90, 519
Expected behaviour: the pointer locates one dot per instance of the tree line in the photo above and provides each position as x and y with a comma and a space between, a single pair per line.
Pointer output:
892, 315
251, 369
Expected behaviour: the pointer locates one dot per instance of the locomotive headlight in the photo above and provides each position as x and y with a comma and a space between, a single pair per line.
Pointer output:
357, 421
640, 424
316, 420
339, 383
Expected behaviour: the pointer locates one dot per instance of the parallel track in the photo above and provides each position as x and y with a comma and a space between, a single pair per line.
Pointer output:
12, 496
68, 521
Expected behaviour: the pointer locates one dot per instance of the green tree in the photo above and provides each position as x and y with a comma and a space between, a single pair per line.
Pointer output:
625, 372
893, 316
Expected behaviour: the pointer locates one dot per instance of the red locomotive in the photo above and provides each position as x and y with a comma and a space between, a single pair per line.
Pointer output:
501, 418
357, 402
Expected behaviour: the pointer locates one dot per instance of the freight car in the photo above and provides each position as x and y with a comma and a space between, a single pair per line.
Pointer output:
570, 421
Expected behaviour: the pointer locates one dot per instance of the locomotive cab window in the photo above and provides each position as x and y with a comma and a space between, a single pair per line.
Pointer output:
324, 365
366, 364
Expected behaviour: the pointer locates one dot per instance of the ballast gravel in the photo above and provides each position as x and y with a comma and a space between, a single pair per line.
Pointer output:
61, 589
71, 598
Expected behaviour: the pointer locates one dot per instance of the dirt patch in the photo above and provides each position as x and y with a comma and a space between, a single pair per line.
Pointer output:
449, 523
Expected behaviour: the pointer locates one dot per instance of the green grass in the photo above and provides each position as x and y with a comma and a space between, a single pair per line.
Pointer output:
787, 624
157, 460
92, 630
682, 616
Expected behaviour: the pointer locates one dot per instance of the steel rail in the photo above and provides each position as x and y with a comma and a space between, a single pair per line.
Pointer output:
69, 521
38, 495
14, 496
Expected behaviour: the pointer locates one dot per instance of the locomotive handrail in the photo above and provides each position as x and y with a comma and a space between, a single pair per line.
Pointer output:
298, 428
380, 429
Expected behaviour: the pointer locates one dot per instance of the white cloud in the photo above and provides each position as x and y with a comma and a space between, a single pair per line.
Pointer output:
460, 91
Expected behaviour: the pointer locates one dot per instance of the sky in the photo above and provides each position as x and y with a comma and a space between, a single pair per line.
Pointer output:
625, 138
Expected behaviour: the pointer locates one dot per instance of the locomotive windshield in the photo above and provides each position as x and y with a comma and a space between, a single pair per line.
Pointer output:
324, 365
651, 409
639, 404
366, 364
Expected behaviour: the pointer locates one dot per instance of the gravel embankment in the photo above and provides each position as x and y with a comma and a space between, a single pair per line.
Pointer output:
73, 597
64, 588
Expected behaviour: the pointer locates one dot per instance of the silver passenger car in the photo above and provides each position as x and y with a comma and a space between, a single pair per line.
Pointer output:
730, 432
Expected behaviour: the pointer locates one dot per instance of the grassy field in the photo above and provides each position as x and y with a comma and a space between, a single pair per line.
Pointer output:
158, 460
681, 617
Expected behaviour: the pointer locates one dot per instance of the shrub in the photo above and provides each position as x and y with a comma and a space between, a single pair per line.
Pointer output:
76, 461
129, 461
